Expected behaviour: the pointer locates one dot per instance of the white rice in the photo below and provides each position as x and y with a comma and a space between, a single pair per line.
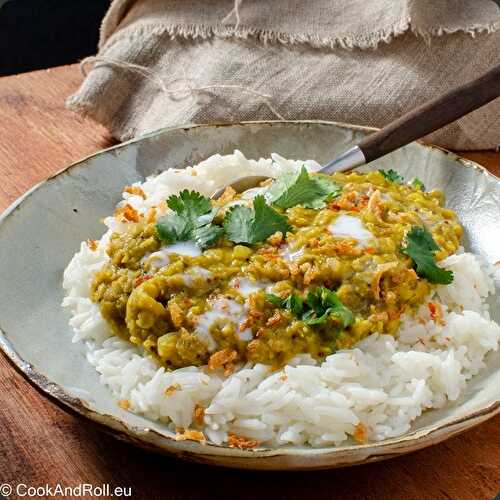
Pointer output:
383, 383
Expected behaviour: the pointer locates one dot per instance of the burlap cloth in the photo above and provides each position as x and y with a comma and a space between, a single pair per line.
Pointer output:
171, 62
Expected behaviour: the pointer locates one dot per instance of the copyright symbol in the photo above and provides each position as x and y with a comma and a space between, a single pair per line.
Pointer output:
5, 489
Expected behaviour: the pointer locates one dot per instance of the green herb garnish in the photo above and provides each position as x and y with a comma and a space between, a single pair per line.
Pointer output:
324, 303
417, 184
190, 220
253, 225
299, 188
294, 303
392, 176
275, 300
421, 247
317, 307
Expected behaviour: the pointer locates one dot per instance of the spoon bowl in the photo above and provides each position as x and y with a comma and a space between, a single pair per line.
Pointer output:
240, 185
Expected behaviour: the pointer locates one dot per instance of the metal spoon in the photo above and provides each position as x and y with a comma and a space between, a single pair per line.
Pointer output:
413, 125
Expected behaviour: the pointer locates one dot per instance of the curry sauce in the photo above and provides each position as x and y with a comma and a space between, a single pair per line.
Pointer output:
193, 307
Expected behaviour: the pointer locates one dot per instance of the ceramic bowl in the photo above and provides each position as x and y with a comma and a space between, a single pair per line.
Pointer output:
42, 230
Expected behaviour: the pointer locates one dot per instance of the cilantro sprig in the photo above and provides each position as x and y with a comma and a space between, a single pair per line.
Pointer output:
293, 303
421, 247
190, 220
253, 225
416, 183
316, 308
299, 188
392, 176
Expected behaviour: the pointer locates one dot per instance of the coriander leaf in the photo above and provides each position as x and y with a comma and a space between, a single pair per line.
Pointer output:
313, 301
392, 176
299, 188
247, 225
343, 313
311, 317
417, 184
294, 188
274, 299
324, 303
330, 188
238, 224
317, 308
294, 304
267, 220
207, 235
191, 219
421, 247
189, 204
173, 228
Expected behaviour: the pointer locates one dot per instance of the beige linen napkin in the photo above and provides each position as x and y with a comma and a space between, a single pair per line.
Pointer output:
169, 62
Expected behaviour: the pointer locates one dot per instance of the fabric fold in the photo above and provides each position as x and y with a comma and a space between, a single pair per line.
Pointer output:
322, 23
165, 63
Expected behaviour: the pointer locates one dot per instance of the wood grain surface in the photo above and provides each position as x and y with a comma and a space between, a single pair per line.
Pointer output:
42, 444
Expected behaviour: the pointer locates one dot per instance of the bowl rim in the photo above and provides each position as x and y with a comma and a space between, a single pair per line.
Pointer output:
152, 439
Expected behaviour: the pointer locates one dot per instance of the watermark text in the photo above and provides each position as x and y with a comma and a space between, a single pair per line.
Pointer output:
80, 490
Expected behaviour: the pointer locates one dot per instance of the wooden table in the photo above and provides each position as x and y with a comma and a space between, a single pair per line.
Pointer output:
42, 444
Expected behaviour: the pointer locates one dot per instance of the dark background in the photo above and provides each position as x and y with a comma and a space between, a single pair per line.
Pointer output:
36, 34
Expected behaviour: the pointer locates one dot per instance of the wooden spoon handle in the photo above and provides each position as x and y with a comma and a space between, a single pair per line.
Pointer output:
432, 115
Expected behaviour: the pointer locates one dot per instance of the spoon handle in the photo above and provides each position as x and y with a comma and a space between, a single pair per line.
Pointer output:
421, 121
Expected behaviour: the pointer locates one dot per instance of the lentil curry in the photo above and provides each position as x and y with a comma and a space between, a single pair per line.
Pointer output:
338, 273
